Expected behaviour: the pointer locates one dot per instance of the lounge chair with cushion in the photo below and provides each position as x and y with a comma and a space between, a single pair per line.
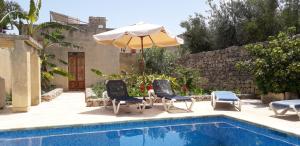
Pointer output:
284, 106
225, 97
162, 89
117, 93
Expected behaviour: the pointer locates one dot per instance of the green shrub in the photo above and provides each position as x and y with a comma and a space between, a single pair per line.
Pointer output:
188, 79
98, 89
197, 91
276, 64
8, 98
159, 61
133, 82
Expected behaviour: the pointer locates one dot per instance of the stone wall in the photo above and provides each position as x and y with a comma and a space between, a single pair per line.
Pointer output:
219, 72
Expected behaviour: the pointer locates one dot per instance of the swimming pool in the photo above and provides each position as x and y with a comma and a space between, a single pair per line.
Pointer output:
192, 131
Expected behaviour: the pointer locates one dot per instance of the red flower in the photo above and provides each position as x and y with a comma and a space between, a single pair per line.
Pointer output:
142, 88
149, 87
184, 88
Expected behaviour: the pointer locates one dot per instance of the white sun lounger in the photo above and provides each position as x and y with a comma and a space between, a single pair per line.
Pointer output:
117, 93
225, 96
162, 89
281, 107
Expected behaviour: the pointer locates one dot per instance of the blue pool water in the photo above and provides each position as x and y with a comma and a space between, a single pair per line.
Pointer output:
204, 131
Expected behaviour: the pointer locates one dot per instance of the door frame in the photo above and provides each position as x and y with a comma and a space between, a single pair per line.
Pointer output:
78, 89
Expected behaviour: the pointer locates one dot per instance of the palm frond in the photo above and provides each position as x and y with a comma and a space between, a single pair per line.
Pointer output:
97, 72
32, 15
2, 4
57, 38
39, 5
47, 76
13, 14
50, 37
50, 64
61, 72
69, 45
63, 62
54, 25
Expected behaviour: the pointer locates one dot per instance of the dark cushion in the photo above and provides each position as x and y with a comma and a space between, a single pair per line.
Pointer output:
162, 88
116, 89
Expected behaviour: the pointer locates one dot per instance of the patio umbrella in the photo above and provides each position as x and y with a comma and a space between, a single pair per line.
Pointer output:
138, 36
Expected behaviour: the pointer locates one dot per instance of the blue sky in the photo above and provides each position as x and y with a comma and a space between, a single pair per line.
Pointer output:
120, 12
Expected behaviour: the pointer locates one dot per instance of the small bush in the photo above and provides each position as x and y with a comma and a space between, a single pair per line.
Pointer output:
8, 98
98, 89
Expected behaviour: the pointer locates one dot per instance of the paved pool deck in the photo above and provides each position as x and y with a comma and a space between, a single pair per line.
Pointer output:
70, 109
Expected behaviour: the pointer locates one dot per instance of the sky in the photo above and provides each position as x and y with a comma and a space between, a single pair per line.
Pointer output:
168, 13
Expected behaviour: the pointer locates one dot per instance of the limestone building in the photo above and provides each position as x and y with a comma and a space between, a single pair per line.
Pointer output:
105, 58
92, 55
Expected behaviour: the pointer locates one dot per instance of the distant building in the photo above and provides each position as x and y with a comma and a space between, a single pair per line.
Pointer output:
107, 59
81, 61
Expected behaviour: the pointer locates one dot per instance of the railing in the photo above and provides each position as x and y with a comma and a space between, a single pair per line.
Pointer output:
61, 18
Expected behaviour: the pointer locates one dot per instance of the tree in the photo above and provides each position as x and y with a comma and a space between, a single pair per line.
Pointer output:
5, 7
239, 22
291, 14
31, 17
159, 61
196, 36
222, 24
49, 67
276, 64
242, 22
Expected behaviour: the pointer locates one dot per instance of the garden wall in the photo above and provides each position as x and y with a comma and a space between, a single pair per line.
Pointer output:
219, 72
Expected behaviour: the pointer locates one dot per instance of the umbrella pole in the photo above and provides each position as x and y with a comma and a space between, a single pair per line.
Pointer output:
143, 69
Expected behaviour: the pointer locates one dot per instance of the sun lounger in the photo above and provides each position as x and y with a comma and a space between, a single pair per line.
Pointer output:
284, 106
162, 89
117, 93
225, 96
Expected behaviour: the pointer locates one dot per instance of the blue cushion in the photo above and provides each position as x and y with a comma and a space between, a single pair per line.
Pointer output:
286, 104
162, 88
225, 96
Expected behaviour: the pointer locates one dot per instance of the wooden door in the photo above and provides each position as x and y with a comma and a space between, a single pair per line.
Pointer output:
77, 70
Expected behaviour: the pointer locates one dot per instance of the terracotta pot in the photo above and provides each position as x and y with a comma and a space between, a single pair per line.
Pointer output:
291, 95
133, 51
267, 98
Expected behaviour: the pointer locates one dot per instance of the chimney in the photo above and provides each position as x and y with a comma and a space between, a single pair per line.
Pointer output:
97, 22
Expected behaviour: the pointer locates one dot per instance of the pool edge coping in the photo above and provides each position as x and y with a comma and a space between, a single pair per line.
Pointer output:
152, 119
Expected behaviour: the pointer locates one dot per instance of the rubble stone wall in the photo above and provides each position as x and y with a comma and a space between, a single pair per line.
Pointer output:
219, 72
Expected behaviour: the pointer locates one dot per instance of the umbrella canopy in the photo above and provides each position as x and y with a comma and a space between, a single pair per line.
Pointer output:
138, 36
